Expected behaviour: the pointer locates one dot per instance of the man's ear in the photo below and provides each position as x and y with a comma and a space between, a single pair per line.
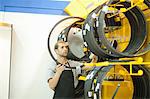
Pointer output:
56, 50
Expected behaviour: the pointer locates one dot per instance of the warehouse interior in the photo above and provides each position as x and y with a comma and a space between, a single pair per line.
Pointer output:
116, 31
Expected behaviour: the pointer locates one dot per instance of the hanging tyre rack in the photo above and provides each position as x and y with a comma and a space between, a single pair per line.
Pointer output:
138, 37
63, 26
141, 84
135, 17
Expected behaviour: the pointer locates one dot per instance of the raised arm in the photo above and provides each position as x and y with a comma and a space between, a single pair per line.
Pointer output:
54, 80
94, 60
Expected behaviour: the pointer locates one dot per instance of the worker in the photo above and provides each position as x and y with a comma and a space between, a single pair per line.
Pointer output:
63, 74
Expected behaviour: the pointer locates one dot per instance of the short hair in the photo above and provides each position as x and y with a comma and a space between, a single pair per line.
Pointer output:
58, 42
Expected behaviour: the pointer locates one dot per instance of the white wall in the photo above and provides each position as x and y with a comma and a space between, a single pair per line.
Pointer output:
30, 58
5, 48
1, 16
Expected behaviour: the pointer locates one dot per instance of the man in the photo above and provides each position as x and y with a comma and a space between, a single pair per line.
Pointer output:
63, 77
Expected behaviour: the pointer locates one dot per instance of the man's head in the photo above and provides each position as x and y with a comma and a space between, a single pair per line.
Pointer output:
61, 48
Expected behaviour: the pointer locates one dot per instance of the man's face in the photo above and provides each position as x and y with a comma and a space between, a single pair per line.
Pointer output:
62, 49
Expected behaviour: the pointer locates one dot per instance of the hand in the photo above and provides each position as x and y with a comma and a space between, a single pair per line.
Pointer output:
59, 69
94, 59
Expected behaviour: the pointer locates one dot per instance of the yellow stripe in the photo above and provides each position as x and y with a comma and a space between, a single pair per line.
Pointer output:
5, 24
